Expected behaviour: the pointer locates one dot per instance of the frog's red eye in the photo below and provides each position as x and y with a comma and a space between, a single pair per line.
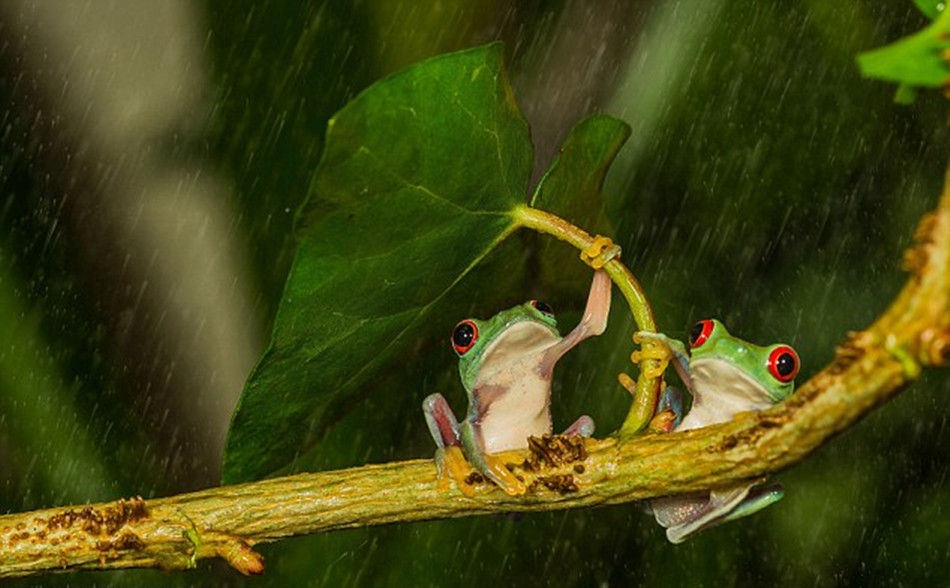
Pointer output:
464, 336
700, 333
543, 307
784, 363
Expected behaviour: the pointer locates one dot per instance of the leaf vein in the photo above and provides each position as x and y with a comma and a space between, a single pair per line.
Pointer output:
419, 187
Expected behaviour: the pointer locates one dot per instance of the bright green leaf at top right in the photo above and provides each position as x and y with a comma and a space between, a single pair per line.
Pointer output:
917, 60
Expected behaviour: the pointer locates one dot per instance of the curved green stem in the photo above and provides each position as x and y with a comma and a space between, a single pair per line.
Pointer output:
647, 389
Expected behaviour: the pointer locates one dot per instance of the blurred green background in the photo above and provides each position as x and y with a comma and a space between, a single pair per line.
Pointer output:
151, 158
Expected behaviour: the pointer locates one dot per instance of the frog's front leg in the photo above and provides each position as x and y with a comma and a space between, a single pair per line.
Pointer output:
444, 427
663, 350
593, 323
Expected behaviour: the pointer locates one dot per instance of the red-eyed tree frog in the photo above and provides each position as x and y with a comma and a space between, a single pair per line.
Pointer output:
506, 364
725, 376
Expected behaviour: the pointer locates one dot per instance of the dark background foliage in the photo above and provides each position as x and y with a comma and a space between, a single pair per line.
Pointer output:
765, 183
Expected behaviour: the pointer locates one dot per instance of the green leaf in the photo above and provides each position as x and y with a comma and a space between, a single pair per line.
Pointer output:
571, 186
571, 189
915, 60
931, 8
414, 188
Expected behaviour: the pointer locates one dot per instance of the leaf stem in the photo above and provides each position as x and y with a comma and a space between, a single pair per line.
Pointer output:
647, 389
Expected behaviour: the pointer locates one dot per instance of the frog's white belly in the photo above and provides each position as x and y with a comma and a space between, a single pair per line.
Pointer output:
720, 392
521, 407
523, 410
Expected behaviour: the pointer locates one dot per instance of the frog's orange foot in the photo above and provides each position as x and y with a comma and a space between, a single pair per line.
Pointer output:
601, 250
496, 469
452, 465
663, 422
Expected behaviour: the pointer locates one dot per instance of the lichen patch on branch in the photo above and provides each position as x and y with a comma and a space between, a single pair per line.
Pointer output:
95, 524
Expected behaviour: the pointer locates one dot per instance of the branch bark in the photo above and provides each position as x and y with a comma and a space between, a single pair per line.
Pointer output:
172, 533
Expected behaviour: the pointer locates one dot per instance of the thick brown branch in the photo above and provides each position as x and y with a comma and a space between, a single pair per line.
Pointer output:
171, 533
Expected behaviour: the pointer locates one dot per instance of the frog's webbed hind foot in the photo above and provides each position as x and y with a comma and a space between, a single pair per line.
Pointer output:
685, 515
583, 426
452, 465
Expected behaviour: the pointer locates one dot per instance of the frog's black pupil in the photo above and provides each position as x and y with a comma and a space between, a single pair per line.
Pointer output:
695, 333
543, 307
463, 335
785, 364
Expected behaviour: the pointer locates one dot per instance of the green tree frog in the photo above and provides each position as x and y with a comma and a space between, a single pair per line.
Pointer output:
506, 364
725, 376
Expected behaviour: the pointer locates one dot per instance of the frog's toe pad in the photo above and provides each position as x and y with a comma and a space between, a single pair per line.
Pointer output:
600, 251
497, 470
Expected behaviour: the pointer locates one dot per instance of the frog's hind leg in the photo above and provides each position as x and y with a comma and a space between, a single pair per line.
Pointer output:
690, 516
449, 459
758, 499
724, 505
583, 426
669, 411
443, 426
727, 505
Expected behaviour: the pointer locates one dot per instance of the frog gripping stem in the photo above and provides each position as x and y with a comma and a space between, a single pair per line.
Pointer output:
650, 351
600, 252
